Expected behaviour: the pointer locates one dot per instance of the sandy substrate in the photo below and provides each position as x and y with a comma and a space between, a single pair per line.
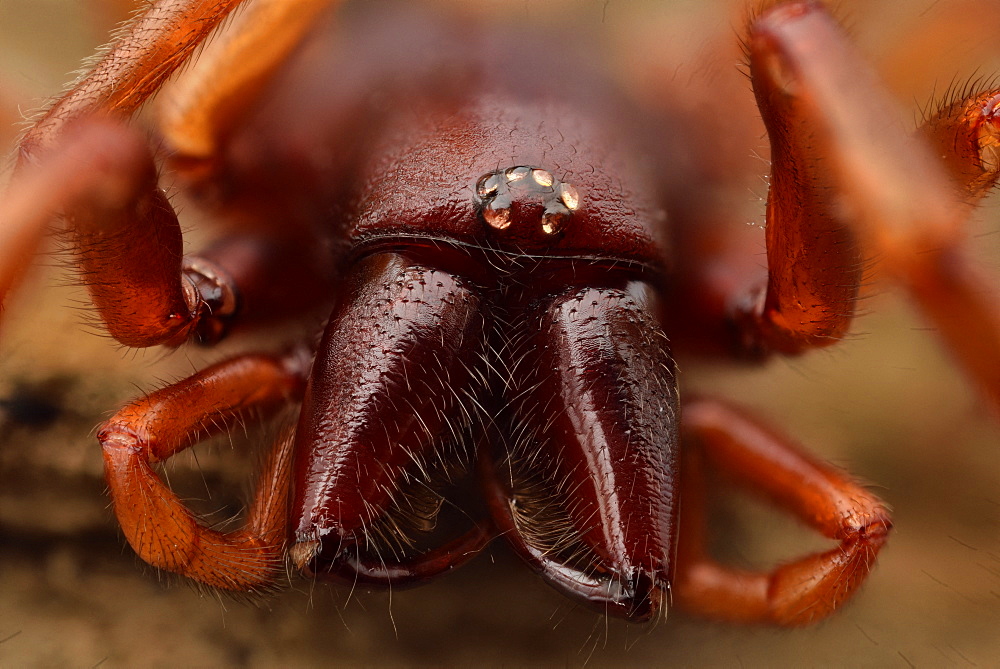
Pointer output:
886, 405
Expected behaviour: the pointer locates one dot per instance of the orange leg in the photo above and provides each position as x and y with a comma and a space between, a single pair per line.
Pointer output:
130, 250
129, 246
44, 188
953, 294
814, 262
849, 183
127, 238
966, 134
157, 525
201, 108
149, 49
800, 592
894, 193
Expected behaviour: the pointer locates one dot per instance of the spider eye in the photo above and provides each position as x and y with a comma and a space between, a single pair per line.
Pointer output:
552, 222
517, 173
542, 178
569, 197
497, 217
488, 185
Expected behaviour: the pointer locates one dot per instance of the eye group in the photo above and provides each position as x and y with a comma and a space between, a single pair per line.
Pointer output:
497, 190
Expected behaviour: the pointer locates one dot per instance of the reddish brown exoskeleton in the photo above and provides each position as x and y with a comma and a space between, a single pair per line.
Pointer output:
491, 227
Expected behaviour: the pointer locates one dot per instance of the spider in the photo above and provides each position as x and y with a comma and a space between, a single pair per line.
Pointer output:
506, 290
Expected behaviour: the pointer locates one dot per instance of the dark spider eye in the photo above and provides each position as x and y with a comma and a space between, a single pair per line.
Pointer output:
497, 213
553, 221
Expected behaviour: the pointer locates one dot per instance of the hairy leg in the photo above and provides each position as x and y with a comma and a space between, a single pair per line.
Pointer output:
160, 529
770, 465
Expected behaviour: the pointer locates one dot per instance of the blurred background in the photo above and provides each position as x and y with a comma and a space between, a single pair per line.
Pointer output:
887, 405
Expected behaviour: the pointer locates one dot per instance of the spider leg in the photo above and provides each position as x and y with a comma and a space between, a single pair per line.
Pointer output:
807, 298
894, 194
955, 295
43, 189
800, 592
200, 108
148, 50
965, 133
128, 240
813, 259
384, 423
152, 429
585, 488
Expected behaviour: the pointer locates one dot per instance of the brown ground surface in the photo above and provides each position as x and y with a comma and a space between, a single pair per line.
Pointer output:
886, 405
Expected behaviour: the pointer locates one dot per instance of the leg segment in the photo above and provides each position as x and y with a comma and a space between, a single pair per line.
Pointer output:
383, 424
966, 134
845, 176
814, 264
88, 156
158, 526
232, 70
129, 248
953, 294
800, 592
129, 245
149, 49
585, 488
129, 241
896, 196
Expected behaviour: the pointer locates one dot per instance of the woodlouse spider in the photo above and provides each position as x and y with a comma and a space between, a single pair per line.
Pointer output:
485, 219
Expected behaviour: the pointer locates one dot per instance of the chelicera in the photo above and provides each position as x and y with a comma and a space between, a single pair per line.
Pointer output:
489, 226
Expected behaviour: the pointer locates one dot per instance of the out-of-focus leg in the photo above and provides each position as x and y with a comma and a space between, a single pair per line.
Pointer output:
86, 166
147, 51
201, 108
129, 246
849, 184
127, 236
